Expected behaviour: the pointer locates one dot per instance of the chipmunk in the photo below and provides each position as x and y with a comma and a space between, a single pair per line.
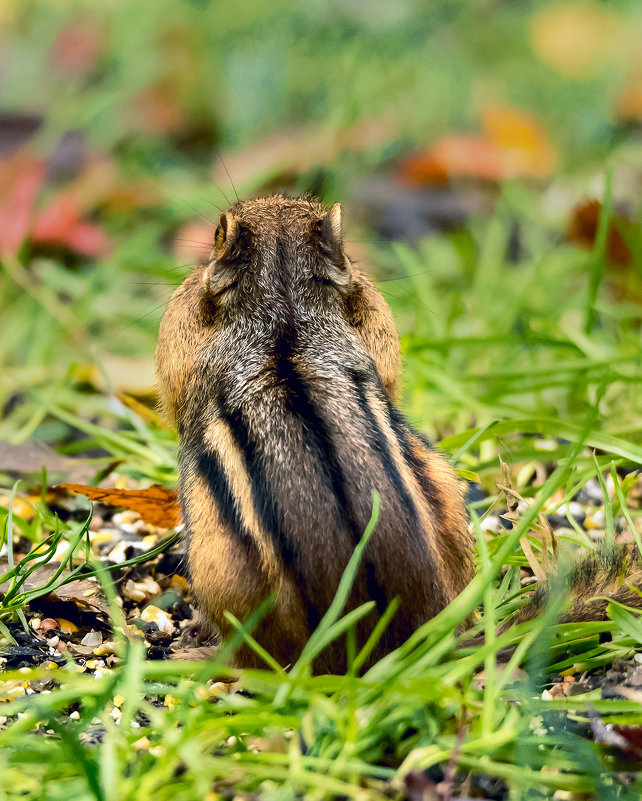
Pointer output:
278, 362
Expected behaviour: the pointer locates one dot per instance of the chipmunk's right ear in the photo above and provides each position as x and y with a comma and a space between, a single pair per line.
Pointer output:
331, 229
331, 239
226, 236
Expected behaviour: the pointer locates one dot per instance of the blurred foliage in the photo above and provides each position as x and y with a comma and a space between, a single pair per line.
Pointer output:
203, 73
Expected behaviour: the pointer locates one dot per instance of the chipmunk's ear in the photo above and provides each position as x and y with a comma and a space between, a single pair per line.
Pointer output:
332, 230
331, 234
225, 237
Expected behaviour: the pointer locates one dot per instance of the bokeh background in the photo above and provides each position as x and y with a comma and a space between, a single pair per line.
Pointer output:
488, 156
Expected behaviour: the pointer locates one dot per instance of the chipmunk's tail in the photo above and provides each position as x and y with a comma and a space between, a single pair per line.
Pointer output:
594, 582
586, 591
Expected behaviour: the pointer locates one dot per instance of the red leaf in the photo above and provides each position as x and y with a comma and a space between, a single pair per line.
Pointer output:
78, 46
61, 224
15, 214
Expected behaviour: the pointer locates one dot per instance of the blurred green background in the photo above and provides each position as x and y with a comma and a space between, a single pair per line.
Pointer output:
471, 144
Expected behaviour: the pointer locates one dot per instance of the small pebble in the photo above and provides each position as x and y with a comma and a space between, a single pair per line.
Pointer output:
131, 591
61, 551
152, 614
545, 445
104, 535
594, 519
591, 493
95, 523
121, 552
144, 590
126, 519
491, 523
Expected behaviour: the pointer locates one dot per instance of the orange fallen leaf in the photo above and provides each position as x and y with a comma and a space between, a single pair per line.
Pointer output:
21, 181
513, 145
454, 156
62, 222
526, 149
157, 505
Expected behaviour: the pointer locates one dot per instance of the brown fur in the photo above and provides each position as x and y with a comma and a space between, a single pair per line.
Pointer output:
595, 581
279, 364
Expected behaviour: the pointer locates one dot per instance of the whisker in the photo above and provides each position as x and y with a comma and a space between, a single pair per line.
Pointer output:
192, 241
211, 202
400, 297
228, 174
200, 213
402, 277
151, 283
135, 321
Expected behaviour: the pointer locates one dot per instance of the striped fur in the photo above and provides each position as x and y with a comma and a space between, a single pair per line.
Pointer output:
279, 364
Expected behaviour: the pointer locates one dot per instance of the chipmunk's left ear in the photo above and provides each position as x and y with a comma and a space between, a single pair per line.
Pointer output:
331, 230
227, 233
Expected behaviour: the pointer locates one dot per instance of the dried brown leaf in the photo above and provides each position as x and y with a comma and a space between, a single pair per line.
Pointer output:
86, 594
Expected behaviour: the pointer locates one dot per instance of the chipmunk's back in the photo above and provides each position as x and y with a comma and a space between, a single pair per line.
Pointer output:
279, 363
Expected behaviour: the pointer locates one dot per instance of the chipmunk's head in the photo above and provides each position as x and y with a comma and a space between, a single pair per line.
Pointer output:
277, 256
